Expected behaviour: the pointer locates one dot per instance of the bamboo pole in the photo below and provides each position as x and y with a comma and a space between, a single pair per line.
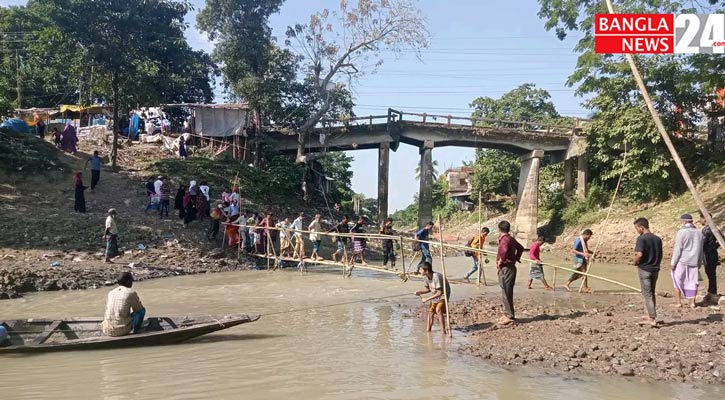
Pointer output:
402, 253
445, 279
590, 264
463, 248
478, 255
668, 142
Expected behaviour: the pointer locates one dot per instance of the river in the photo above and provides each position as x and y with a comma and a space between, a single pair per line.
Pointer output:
371, 349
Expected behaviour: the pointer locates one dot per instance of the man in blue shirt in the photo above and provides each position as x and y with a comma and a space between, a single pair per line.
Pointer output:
581, 255
96, 162
424, 234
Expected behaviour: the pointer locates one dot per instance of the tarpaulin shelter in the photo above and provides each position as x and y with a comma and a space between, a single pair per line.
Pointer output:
15, 125
218, 120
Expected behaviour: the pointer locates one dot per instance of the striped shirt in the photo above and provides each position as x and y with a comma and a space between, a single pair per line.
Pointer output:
165, 191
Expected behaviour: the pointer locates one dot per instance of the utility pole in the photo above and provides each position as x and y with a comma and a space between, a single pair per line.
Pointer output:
17, 79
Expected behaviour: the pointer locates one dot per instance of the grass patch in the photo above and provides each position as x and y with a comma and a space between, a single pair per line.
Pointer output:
24, 153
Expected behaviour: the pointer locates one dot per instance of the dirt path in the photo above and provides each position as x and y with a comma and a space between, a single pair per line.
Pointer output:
40, 228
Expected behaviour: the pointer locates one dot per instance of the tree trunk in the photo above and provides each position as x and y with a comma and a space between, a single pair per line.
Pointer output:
116, 126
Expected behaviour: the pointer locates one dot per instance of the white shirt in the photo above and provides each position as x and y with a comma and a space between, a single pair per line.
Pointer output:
297, 225
314, 227
111, 225
157, 186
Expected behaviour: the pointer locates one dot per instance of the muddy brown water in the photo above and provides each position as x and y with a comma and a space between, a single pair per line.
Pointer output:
365, 349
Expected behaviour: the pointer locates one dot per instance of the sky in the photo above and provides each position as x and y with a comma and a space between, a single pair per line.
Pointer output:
477, 48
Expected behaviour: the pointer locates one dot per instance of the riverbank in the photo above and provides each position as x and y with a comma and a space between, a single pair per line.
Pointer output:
597, 334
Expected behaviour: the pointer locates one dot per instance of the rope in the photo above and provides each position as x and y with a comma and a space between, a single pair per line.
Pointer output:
336, 304
606, 220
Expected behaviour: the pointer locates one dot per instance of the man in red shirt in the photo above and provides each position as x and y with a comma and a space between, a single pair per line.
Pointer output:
509, 253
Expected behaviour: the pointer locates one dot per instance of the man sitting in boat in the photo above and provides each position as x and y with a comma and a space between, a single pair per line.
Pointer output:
124, 311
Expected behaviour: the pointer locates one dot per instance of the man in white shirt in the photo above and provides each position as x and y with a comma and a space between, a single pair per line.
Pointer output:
111, 236
157, 185
297, 226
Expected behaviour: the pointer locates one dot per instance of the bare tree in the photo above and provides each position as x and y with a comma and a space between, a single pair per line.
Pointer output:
350, 42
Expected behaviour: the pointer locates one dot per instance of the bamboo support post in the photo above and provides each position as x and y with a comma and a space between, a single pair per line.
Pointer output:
402, 254
668, 142
478, 255
445, 279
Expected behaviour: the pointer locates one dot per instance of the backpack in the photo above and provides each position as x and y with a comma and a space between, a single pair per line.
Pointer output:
469, 253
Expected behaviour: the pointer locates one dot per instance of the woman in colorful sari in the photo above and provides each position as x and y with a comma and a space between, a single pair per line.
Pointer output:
80, 204
69, 139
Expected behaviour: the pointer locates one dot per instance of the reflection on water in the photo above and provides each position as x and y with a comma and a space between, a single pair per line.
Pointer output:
373, 349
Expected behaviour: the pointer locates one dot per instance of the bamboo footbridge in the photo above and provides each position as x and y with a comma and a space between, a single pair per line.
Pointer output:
273, 257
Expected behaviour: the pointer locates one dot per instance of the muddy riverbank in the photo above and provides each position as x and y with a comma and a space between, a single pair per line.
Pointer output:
597, 334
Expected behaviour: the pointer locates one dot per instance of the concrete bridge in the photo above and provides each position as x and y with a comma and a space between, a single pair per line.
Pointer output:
533, 142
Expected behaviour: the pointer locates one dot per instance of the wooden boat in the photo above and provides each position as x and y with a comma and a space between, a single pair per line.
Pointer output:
44, 335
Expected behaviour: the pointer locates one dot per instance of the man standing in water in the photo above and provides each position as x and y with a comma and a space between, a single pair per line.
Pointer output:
124, 311
581, 259
647, 258
388, 245
709, 247
343, 227
509, 253
434, 284
686, 258
111, 236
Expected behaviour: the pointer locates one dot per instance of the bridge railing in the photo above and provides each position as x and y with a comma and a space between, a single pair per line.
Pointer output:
394, 116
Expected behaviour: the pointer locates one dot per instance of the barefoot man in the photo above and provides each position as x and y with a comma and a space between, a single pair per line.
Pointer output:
647, 258
110, 234
687, 256
581, 259
509, 253
434, 284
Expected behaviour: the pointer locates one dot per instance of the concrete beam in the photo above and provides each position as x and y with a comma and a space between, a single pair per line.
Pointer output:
581, 176
383, 177
568, 175
425, 195
527, 199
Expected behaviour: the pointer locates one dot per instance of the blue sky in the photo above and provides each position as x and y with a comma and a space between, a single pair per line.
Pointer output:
477, 48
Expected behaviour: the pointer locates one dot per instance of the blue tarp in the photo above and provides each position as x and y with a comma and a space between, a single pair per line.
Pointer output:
16, 125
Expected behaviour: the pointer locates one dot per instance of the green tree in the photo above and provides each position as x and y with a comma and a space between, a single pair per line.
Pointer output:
497, 171
336, 166
348, 43
435, 170
620, 117
137, 48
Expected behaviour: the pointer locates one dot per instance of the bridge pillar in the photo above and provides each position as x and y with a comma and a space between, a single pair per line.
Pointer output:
425, 195
568, 175
581, 176
383, 175
528, 197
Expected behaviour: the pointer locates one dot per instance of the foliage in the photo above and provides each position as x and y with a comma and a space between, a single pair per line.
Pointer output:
551, 192
350, 42
136, 48
681, 86
524, 103
497, 171
443, 206
336, 166
24, 153
597, 197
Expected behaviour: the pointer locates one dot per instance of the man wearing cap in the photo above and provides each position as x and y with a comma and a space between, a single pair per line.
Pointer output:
111, 236
687, 256
124, 311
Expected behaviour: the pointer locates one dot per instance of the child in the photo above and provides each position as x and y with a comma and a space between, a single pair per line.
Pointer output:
536, 269
434, 284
